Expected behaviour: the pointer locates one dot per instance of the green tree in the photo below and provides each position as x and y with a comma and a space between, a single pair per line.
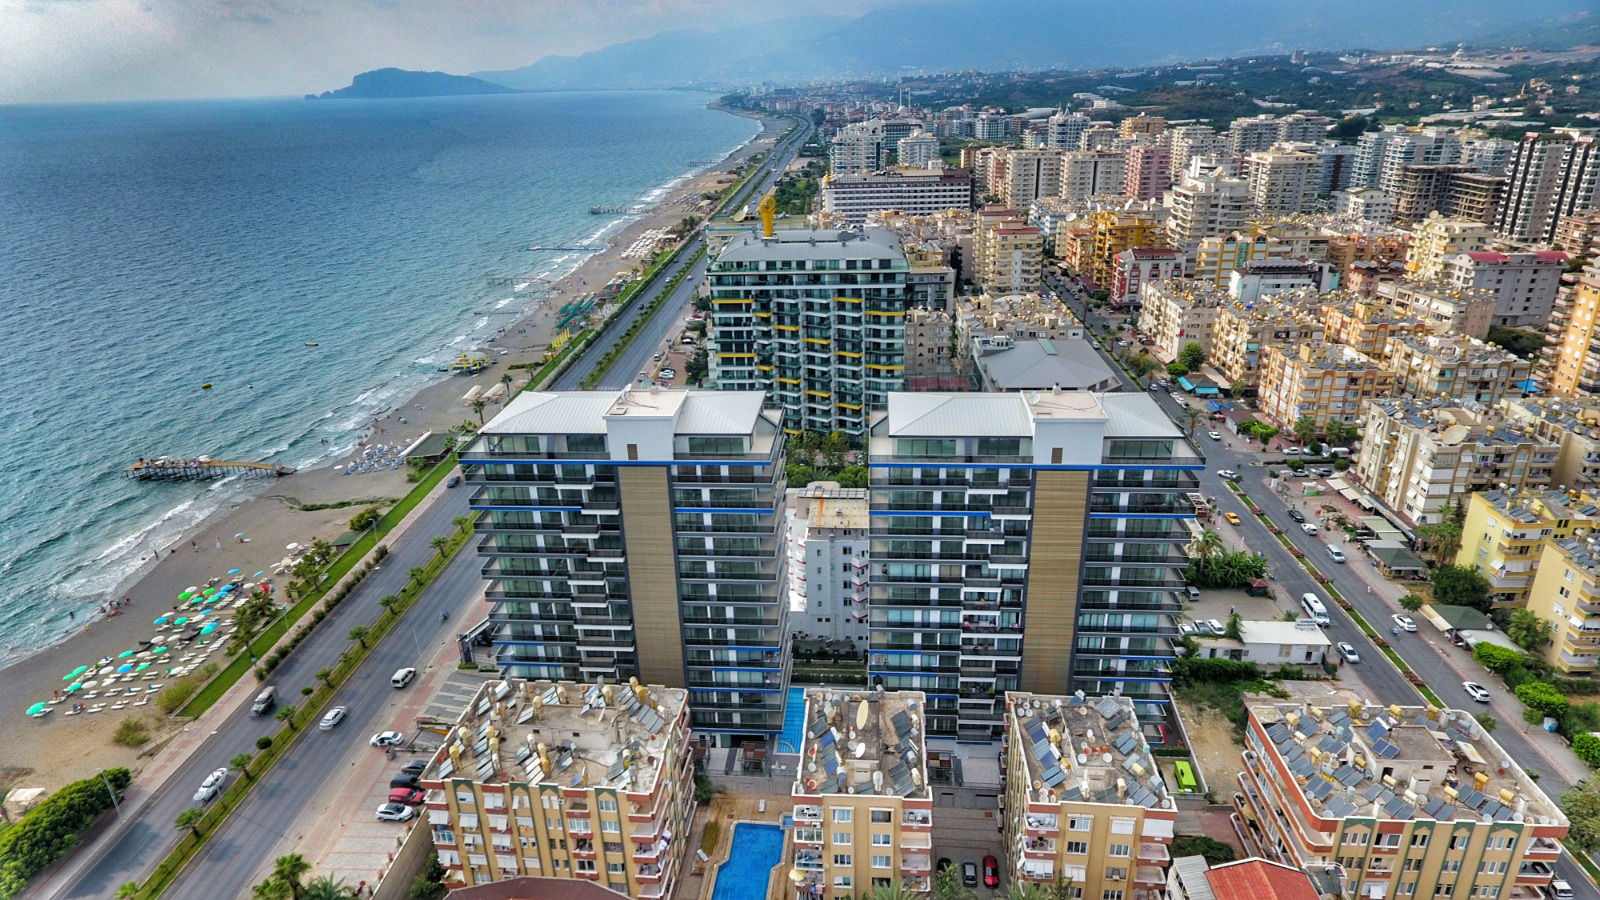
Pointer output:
270, 889
1461, 586
1192, 356
325, 675
359, 635
1411, 602
507, 380
1587, 748
190, 819
1215, 851
834, 448
1231, 630
1489, 723
1528, 631
461, 522
127, 890
241, 761
477, 407
286, 714
891, 891
1582, 806
390, 602
1496, 658
325, 887
1177, 370
1192, 417
1305, 428
438, 542
1141, 364
291, 869
947, 885
1442, 539
1542, 698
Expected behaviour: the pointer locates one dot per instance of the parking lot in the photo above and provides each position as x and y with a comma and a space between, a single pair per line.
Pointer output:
960, 834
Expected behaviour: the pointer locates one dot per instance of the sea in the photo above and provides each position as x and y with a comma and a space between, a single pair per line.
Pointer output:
149, 248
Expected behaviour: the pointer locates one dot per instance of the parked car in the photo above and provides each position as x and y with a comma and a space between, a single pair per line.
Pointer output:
1291, 451
1404, 623
1216, 626
991, 872
212, 786
408, 796
1308, 528
452, 481
1297, 515
1203, 627
1348, 651
414, 767
1214, 435
1186, 628
1476, 691
388, 739
969, 873
394, 812
1228, 474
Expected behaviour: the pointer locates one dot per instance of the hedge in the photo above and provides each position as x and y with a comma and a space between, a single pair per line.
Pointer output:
47, 833
1198, 669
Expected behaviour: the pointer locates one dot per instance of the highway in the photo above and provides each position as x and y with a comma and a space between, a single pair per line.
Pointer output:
226, 865
1422, 651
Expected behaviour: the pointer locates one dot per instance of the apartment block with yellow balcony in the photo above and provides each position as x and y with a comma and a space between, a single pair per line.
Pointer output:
1566, 593
1505, 531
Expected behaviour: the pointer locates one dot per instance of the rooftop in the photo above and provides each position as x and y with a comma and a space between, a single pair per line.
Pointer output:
810, 244
585, 412
1259, 879
1085, 749
824, 504
1399, 763
1042, 364
869, 742
565, 734
1272, 631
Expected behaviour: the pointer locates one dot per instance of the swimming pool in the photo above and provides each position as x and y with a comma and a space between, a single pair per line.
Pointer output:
794, 722
755, 850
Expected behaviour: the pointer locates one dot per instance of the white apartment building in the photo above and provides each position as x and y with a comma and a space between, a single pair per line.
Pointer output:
1206, 204
1282, 183
1178, 311
1553, 175
1090, 173
857, 148
1253, 134
1254, 281
1436, 239
1190, 142
829, 539
1366, 204
1064, 131
917, 150
1028, 175
917, 192
1427, 146
1524, 284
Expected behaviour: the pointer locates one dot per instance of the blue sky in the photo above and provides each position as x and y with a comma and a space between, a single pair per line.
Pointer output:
72, 50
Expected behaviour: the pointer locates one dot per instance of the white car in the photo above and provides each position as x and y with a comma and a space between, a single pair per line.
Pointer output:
1476, 691
1308, 528
212, 786
388, 739
1349, 653
1216, 626
1404, 623
394, 812
333, 718
1228, 474
1291, 451
1214, 435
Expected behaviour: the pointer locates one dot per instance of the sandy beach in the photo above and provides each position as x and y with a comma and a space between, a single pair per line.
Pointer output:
51, 751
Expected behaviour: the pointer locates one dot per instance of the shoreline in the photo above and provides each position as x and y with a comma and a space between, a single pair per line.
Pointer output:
268, 516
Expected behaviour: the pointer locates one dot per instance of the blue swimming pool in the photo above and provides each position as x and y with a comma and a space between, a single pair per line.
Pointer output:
756, 849
794, 722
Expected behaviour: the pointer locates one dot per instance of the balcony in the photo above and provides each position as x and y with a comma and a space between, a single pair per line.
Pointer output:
918, 818
916, 863
809, 813
1157, 853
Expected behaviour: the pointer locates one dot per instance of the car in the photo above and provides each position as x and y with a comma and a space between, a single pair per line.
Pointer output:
1228, 474
1215, 626
1232, 517
1186, 628
1297, 515
388, 739
1214, 435
1348, 651
402, 677
1323, 471
212, 786
1308, 528
1174, 395
944, 863
394, 812
1291, 451
414, 767
1560, 889
969, 873
1124, 342
991, 872
408, 796
1201, 626
1476, 691
1404, 623
452, 481
656, 358
333, 718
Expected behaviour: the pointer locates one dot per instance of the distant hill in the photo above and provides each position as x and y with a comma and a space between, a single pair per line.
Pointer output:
999, 35
382, 84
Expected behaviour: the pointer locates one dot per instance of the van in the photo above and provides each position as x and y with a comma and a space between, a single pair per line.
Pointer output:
1314, 608
1192, 592
402, 677
264, 701
1335, 554
1560, 889
1339, 452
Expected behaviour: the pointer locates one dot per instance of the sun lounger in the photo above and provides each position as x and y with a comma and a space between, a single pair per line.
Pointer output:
70, 712
96, 708
119, 705
153, 687
141, 701
91, 695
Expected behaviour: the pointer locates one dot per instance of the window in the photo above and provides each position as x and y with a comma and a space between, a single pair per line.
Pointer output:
610, 826
1079, 823
1419, 840
881, 862
1116, 873
1117, 850
842, 881
1111, 895
1443, 890
882, 840
841, 838
1356, 838
918, 447
1078, 847
607, 804
633, 451
841, 816
843, 859
615, 868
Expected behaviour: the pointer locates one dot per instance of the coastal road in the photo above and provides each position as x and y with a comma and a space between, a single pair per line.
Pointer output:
144, 836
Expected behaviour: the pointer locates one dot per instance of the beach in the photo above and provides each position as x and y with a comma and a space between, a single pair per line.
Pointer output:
51, 751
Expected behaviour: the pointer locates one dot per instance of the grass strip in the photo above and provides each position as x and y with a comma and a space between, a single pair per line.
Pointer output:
1584, 860
230, 674
307, 711
609, 358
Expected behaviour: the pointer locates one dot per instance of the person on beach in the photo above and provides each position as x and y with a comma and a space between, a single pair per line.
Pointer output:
193, 546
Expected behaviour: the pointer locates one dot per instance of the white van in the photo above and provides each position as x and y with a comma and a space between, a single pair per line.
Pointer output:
403, 677
1335, 554
1314, 608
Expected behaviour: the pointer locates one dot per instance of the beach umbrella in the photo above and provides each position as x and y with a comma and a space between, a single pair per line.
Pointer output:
163, 620
75, 686
125, 669
181, 621
234, 571
124, 654
259, 574
292, 547
37, 708
190, 589
161, 649
209, 627
141, 667
227, 588
75, 673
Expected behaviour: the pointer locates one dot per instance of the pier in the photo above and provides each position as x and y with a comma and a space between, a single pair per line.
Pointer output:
537, 247
517, 279
611, 210
201, 469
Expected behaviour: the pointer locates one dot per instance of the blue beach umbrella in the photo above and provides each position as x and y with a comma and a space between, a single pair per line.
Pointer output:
124, 669
259, 574
162, 620
209, 627
233, 571
225, 589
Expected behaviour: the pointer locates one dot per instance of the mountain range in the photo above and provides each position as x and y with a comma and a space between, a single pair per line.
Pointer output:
1003, 35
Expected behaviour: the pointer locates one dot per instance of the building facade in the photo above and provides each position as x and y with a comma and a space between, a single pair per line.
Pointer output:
1140, 266
858, 148
1566, 593
1552, 175
827, 540
1328, 382
917, 192
1524, 284
1091, 173
1436, 239
1179, 311
1504, 533
1146, 170
1456, 368
1282, 183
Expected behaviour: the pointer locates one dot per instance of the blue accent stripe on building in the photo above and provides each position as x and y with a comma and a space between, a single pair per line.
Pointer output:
758, 511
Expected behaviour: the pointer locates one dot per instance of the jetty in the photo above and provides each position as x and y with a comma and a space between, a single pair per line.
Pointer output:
517, 279
538, 247
200, 469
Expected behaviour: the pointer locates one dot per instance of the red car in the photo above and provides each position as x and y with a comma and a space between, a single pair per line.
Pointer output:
991, 872
408, 796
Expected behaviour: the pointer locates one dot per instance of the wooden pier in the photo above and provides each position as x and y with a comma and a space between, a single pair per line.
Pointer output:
518, 279
199, 470
539, 247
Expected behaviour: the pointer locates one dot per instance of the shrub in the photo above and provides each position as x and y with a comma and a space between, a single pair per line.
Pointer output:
1215, 851
263, 742
1290, 673
1517, 676
52, 828
131, 732
702, 788
1543, 698
1493, 657
1587, 748
1195, 670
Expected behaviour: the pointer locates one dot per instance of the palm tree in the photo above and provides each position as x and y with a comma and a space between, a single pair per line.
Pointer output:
1193, 417
286, 714
477, 407
325, 676
190, 819
439, 542
461, 522
242, 763
416, 574
389, 602
271, 889
324, 887
890, 892
127, 890
1207, 545
359, 635
506, 380
290, 869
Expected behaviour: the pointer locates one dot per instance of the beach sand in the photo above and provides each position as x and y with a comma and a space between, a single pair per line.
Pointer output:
50, 752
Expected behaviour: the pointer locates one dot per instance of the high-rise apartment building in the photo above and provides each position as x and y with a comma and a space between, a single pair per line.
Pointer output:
863, 805
1553, 174
1206, 204
917, 149
1084, 804
1253, 134
1244, 331
1008, 253
1029, 175
1217, 256
1025, 541
1091, 173
1571, 361
1435, 239
1566, 593
1178, 312
1092, 248
1524, 284
1138, 266
1064, 131
1282, 183
1504, 533
1397, 801
1303, 127
612, 522
1488, 155
1571, 425
917, 192
858, 147
1413, 147
563, 780
1365, 205
816, 318
1142, 124
1328, 382
1191, 142
1146, 171
828, 541
1422, 189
